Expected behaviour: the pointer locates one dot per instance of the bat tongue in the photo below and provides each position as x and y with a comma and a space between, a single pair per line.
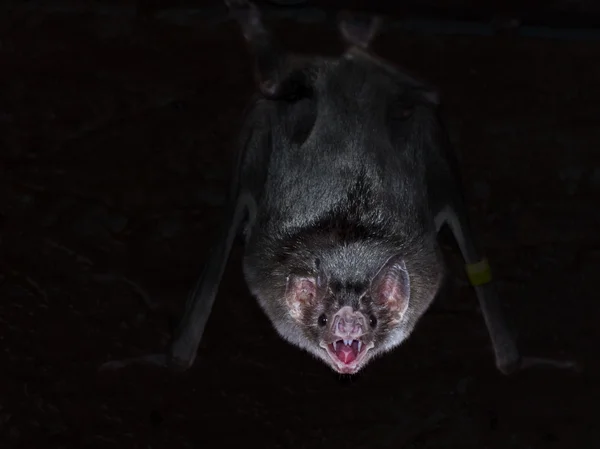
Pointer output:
347, 354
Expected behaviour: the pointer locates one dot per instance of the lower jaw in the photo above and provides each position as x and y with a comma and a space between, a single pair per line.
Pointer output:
351, 368
347, 369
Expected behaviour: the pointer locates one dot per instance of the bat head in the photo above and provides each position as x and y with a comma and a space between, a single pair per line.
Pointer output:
345, 320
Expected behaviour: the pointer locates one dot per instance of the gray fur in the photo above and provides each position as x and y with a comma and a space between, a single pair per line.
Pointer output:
344, 177
363, 168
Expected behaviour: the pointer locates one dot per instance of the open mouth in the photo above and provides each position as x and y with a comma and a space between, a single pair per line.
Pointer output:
347, 354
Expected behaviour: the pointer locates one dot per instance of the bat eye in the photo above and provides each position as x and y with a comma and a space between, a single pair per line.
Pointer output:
373, 321
323, 320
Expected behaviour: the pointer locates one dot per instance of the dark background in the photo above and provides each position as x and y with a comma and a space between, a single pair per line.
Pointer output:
116, 132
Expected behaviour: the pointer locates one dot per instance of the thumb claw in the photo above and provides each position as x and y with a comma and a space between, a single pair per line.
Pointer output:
151, 359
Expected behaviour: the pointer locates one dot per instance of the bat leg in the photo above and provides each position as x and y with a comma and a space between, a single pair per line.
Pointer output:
508, 358
188, 335
181, 354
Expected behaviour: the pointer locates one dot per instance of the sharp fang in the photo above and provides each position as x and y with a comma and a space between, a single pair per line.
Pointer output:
359, 345
335, 346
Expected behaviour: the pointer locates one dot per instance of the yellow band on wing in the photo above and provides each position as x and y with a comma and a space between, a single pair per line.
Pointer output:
479, 273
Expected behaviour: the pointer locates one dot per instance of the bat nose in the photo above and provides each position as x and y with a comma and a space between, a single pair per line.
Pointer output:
348, 323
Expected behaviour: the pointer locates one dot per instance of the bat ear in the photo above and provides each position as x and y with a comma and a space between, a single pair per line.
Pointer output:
273, 66
301, 292
391, 286
358, 30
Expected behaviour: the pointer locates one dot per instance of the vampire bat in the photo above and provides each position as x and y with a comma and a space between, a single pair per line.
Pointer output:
343, 180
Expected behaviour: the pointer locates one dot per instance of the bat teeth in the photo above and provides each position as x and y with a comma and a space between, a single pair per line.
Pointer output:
347, 342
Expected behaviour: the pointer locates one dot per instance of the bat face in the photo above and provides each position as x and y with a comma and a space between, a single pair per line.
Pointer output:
346, 327
346, 320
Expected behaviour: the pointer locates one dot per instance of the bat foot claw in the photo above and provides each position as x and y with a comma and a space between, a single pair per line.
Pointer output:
523, 363
175, 364
533, 362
